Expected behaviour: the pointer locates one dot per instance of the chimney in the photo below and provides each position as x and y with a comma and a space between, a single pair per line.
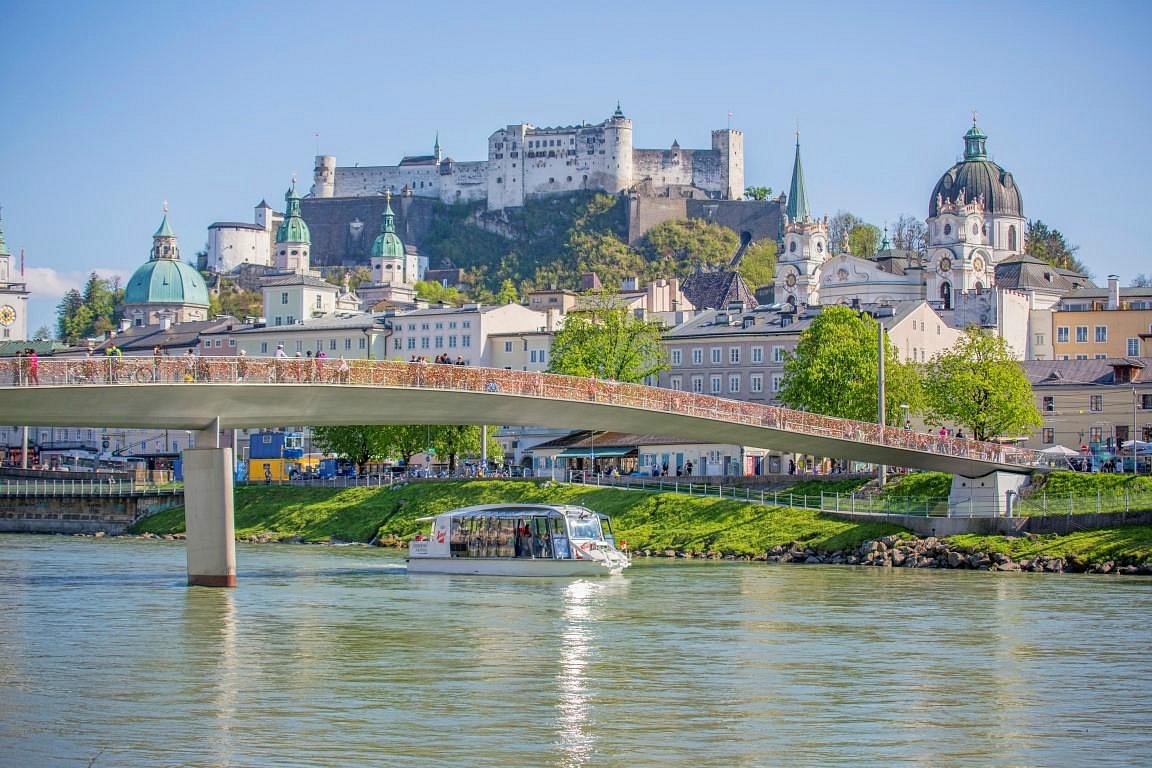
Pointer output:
125, 323
629, 284
166, 320
1113, 292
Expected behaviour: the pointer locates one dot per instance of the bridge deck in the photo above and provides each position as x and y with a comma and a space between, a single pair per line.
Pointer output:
246, 393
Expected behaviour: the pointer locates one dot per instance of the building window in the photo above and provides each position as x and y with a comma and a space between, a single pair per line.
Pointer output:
1039, 340
398, 344
411, 342
1081, 334
1096, 403
465, 323
1095, 434
465, 341
508, 348
697, 356
697, 384
299, 345
290, 320
715, 385
451, 342
716, 352
676, 354
424, 343
1146, 402
320, 304
1048, 435
676, 383
284, 298
264, 348
757, 355
1081, 357
362, 343
756, 382
1132, 347
734, 355
1099, 357
1101, 334
1062, 335
777, 380
1049, 404
778, 355
733, 383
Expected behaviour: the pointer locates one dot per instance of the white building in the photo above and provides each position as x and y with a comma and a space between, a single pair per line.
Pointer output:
13, 298
232, 244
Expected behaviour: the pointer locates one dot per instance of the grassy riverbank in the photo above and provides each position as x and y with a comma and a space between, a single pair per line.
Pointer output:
646, 520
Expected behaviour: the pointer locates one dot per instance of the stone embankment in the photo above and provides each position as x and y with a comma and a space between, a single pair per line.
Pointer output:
901, 552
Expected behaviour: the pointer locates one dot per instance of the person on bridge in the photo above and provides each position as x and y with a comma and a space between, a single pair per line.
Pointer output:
33, 366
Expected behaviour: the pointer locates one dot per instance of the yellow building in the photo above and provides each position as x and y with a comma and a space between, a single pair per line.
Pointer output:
1103, 323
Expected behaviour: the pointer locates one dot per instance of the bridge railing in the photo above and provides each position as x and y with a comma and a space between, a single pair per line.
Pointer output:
82, 487
192, 369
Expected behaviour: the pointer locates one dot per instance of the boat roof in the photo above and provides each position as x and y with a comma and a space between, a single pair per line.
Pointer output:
513, 510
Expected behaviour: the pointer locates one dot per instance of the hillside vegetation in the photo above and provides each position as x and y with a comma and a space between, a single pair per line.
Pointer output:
556, 239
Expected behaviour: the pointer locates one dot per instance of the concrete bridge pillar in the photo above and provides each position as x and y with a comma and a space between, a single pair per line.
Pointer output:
208, 512
984, 496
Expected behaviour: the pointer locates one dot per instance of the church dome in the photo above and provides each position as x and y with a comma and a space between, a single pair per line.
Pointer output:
978, 177
166, 281
387, 244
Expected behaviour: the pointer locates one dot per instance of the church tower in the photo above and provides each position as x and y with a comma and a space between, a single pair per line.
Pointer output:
13, 298
293, 240
165, 289
390, 259
805, 245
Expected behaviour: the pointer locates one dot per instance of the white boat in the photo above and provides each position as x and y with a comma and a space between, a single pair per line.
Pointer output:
518, 540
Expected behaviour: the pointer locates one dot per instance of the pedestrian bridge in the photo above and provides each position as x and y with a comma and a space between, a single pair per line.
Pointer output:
209, 395
230, 392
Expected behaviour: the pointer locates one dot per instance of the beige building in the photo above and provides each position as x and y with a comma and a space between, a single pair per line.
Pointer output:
522, 350
1094, 403
1103, 323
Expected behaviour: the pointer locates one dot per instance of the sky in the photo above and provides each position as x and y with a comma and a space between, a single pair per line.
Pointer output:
109, 109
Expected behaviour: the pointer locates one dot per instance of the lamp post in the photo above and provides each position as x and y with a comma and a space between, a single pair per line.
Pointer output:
880, 350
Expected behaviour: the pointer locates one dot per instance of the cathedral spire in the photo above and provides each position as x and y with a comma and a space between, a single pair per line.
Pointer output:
797, 196
389, 216
436, 147
293, 229
164, 244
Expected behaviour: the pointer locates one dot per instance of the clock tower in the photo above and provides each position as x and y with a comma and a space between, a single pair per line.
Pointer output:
805, 246
13, 298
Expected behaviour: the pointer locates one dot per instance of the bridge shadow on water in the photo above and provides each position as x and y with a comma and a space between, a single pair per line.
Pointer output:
172, 578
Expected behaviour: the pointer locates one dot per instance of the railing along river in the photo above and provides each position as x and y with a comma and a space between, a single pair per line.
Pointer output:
390, 373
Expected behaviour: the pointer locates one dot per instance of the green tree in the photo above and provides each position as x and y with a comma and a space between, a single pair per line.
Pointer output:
758, 264
435, 293
680, 245
840, 229
757, 193
1049, 246
834, 370
358, 444
864, 240
66, 325
508, 293
981, 387
606, 341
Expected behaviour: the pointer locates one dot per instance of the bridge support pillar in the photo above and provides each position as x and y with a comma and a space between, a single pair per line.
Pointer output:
984, 496
208, 520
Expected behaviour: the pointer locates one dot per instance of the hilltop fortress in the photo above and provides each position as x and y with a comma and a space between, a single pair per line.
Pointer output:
524, 161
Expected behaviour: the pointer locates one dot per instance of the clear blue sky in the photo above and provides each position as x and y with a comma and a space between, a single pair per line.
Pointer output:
111, 108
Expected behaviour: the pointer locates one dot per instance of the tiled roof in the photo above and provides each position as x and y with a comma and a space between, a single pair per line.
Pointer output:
285, 280
1048, 373
715, 290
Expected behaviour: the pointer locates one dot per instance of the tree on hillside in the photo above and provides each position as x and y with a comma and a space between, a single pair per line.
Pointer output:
758, 264
981, 387
435, 293
358, 444
864, 240
834, 370
1049, 246
230, 299
757, 193
606, 341
910, 234
681, 245
508, 293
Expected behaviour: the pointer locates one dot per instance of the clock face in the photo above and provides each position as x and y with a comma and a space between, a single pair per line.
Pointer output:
945, 264
7, 315
790, 280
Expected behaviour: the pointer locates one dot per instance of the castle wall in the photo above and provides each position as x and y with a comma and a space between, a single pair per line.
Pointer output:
231, 246
464, 182
343, 229
423, 180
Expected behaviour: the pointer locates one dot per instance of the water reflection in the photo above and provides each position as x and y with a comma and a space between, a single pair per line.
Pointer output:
211, 629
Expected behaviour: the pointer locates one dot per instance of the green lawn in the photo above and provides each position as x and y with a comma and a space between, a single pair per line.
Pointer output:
646, 520
1130, 544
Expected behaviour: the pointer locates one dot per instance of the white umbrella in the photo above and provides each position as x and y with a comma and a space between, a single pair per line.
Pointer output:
1142, 448
1059, 450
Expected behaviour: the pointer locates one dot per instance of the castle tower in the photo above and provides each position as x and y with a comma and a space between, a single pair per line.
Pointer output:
324, 176
618, 140
293, 240
436, 149
13, 298
805, 245
730, 144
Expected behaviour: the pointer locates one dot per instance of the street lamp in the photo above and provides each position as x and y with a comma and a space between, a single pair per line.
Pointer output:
880, 350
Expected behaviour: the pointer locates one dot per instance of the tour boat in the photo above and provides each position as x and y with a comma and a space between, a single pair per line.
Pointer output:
518, 540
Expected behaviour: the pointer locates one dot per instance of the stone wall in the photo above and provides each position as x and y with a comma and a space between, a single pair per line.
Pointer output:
761, 219
344, 228
68, 515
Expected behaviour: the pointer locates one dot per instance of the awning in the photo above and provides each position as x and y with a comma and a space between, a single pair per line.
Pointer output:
599, 453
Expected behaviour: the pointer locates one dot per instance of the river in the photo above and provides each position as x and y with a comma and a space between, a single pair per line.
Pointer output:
328, 656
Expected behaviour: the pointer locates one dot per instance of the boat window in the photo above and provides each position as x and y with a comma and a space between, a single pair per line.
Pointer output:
459, 541
584, 528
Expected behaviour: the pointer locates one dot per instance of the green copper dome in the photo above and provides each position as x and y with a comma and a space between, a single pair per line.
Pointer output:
388, 244
293, 229
166, 281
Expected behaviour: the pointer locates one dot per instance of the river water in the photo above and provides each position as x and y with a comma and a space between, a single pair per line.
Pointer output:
336, 657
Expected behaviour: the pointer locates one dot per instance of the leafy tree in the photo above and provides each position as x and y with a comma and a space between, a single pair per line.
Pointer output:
358, 444
435, 293
758, 264
834, 370
94, 310
1049, 246
66, 326
43, 333
1142, 280
683, 244
508, 293
910, 233
840, 229
605, 341
231, 299
865, 240
980, 386
757, 193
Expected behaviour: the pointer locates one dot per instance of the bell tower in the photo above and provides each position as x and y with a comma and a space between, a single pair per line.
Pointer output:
805, 245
